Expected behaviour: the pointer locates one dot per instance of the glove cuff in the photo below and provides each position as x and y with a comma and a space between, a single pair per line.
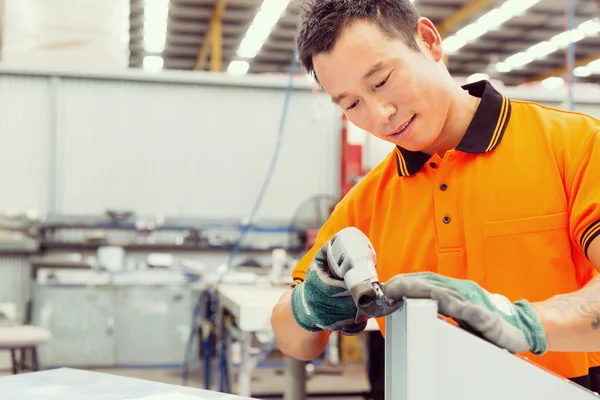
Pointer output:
301, 311
535, 334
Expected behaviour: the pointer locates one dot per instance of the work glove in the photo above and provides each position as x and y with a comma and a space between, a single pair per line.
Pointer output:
511, 326
323, 302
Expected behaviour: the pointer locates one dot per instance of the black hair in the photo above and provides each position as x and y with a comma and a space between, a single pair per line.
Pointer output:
322, 22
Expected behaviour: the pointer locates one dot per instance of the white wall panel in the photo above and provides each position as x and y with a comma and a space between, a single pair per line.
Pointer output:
26, 124
66, 33
191, 149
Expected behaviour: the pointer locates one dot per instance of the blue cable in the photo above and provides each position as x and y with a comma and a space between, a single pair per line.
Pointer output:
248, 227
211, 301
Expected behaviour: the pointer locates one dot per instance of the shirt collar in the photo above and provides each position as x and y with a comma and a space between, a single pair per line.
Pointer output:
483, 135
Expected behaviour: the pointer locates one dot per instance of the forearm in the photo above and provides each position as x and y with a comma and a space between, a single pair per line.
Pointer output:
293, 340
572, 321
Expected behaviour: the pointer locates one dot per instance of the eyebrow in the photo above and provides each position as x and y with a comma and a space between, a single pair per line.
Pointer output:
372, 71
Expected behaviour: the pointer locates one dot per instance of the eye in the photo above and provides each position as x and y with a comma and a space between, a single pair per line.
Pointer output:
353, 105
380, 84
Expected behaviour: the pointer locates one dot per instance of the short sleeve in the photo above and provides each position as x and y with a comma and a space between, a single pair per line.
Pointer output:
340, 218
584, 196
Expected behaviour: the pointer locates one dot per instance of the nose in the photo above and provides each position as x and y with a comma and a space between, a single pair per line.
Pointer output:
382, 113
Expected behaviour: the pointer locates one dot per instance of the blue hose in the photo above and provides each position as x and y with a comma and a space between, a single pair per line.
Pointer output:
212, 300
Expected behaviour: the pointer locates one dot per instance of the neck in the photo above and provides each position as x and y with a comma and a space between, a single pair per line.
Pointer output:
460, 115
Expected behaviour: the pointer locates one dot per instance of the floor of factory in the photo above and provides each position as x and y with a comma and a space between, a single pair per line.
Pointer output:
350, 379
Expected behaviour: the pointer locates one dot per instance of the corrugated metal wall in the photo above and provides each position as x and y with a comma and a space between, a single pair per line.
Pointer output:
188, 149
15, 284
26, 125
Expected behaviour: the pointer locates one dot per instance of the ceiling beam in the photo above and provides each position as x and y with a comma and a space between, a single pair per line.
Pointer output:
561, 71
212, 39
457, 19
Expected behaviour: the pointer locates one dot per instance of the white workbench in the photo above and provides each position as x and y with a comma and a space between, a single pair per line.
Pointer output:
251, 307
74, 384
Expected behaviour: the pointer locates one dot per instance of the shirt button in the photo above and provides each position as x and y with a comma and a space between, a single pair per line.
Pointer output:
433, 165
446, 219
443, 186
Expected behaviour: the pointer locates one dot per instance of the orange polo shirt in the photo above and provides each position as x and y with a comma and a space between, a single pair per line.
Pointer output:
514, 207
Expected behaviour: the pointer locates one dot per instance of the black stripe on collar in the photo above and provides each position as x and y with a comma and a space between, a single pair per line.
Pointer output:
483, 135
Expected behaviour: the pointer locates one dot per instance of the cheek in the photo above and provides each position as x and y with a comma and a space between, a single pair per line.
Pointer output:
357, 120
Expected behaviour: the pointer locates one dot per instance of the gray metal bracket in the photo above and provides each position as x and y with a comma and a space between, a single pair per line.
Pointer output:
429, 358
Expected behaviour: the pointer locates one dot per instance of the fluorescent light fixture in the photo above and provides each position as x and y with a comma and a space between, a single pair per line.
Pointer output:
518, 7
541, 50
582, 72
494, 18
266, 18
518, 60
472, 32
153, 63
553, 82
238, 67
478, 77
594, 66
486, 23
503, 67
452, 44
590, 27
156, 13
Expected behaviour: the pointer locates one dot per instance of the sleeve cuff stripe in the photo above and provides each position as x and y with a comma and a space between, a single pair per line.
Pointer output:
589, 235
297, 281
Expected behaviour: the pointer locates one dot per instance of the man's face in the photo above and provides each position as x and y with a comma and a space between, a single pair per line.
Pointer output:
386, 88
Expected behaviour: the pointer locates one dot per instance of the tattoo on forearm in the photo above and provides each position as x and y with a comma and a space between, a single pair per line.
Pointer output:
585, 302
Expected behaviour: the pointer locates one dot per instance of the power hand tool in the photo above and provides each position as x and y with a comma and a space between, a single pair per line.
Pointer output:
351, 258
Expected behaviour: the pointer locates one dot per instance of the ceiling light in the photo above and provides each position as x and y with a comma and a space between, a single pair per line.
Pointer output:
503, 67
488, 22
582, 72
553, 82
156, 13
494, 18
452, 44
238, 67
518, 7
472, 31
594, 66
543, 49
518, 60
265, 19
478, 77
590, 27
153, 63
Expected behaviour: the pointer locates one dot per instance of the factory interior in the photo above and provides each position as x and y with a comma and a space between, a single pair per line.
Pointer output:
118, 257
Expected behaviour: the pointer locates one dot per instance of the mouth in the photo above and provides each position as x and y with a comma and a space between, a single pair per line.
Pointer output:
402, 128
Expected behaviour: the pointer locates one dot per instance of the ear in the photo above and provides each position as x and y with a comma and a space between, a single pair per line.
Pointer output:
430, 38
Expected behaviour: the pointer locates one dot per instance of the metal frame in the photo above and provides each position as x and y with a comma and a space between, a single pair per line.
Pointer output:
166, 76
429, 358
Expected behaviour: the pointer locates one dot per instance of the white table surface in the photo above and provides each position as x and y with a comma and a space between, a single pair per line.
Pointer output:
74, 384
251, 305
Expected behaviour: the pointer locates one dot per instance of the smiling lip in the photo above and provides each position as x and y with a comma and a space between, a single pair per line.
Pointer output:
402, 128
